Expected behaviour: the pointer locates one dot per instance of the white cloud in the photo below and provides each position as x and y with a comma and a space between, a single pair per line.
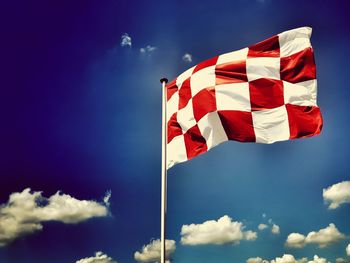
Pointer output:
317, 259
340, 260
295, 240
147, 49
151, 251
25, 212
107, 198
125, 40
322, 238
286, 258
256, 260
275, 229
222, 231
337, 194
187, 58
98, 258
262, 226
348, 250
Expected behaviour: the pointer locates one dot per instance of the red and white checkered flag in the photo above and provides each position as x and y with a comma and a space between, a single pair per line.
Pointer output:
264, 93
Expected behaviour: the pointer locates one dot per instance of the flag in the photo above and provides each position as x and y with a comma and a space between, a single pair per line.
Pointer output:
263, 93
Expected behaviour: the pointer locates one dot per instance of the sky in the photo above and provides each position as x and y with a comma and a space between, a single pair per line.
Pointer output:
80, 137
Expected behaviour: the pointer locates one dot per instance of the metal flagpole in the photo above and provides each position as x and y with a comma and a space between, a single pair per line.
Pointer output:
164, 81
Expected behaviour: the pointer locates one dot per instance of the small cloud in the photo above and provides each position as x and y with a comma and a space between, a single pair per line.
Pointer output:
151, 251
125, 40
250, 235
270, 221
275, 229
337, 194
348, 250
107, 197
323, 238
187, 58
99, 257
222, 231
264, 215
148, 49
262, 226
340, 260
25, 212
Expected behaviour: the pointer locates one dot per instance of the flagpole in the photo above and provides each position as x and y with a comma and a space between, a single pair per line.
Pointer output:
164, 81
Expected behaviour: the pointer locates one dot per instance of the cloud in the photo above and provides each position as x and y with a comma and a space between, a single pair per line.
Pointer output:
295, 240
151, 252
219, 232
107, 198
275, 229
256, 260
262, 226
317, 259
322, 238
147, 49
348, 250
187, 58
286, 258
25, 212
337, 194
98, 258
340, 260
125, 40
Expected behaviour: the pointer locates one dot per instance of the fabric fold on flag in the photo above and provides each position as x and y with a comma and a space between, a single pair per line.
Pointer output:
264, 93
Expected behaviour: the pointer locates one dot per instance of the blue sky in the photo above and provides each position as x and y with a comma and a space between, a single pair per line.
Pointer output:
81, 114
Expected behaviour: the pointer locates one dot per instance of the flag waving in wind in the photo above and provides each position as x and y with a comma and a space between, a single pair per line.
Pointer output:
263, 93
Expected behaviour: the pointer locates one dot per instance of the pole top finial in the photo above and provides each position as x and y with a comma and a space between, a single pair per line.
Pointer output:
164, 80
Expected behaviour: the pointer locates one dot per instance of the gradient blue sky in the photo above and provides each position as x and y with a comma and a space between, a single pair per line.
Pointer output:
81, 114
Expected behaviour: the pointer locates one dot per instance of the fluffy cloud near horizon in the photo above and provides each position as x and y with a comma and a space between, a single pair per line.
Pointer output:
125, 40
222, 231
25, 212
348, 250
99, 257
287, 258
337, 194
151, 251
322, 238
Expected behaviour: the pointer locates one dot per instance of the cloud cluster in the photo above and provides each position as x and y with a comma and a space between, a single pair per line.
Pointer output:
98, 258
275, 229
125, 40
222, 231
337, 194
151, 251
187, 58
348, 250
287, 258
25, 212
322, 238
